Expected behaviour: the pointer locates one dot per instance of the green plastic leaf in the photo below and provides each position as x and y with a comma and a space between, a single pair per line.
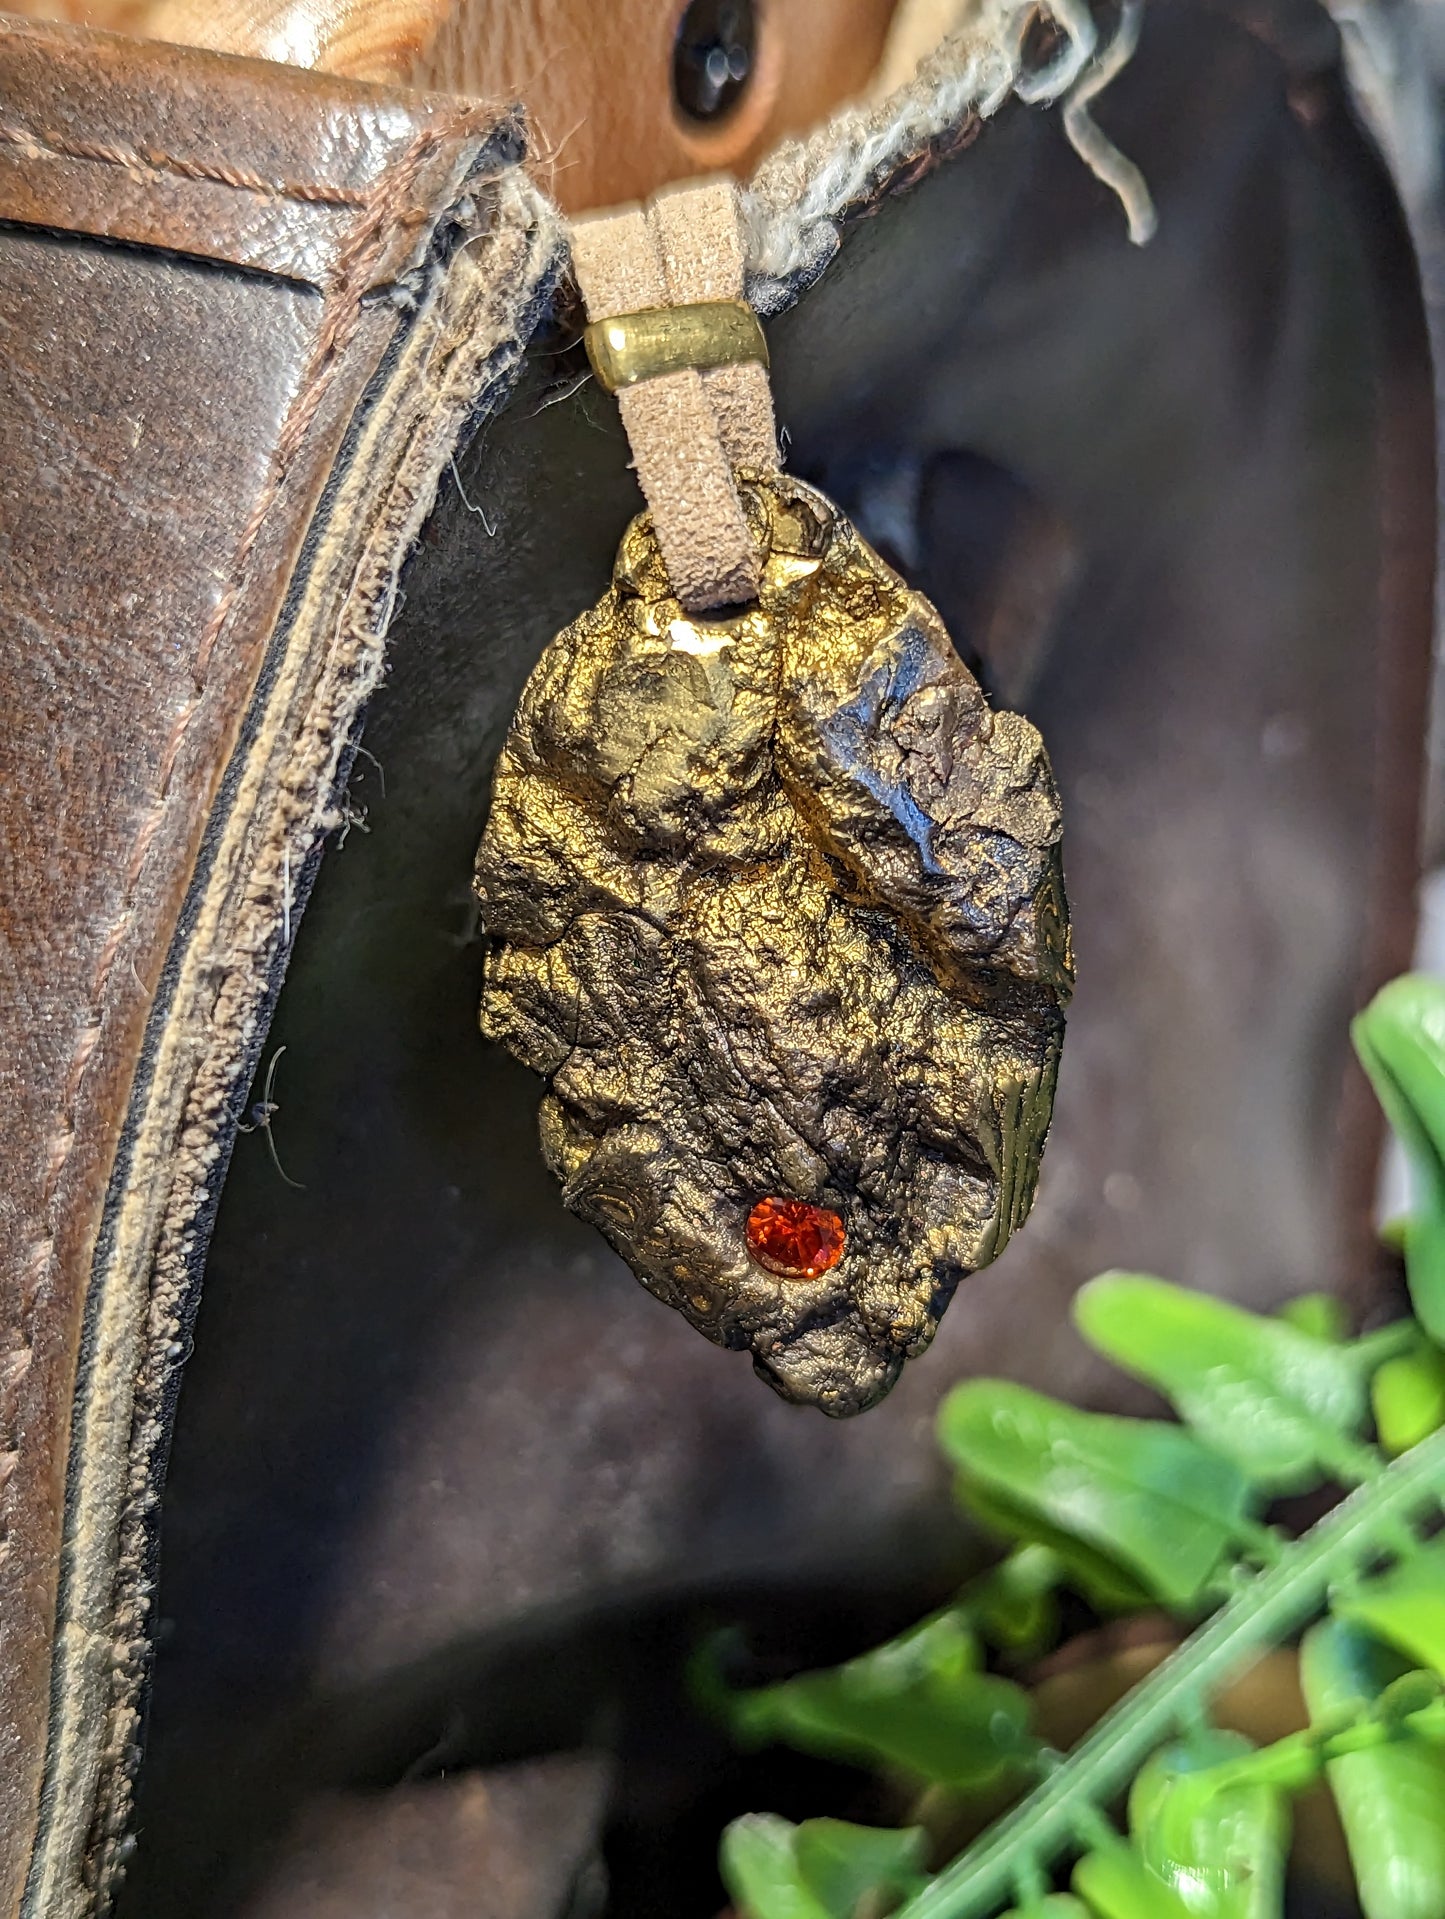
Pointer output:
823, 1869
1424, 1251
1114, 1882
1278, 1401
1391, 1800
1408, 1398
1320, 1314
842, 1864
1222, 1851
1405, 1606
1013, 1604
1143, 1493
1054, 1905
1392, 1232
1101, 1580
918, 1701
760, 1869
1400, 1038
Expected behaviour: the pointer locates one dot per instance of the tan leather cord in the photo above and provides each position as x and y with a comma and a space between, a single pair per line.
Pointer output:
688, 430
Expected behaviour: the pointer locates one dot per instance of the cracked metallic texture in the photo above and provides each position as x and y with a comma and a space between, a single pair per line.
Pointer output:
774, 906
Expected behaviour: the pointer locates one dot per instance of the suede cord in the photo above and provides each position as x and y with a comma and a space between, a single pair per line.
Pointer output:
688, 431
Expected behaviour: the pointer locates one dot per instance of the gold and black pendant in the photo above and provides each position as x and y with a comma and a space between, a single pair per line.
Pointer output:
775, 907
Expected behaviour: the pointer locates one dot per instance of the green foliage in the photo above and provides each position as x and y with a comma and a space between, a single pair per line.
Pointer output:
823, 1869
1150, 1497
1391, 1799
1222, 1852
1133, 1512
1054, 1905
1013, 1605
1400, 1038
1319, 1314
1406, 1607
919, 1702
1115, 1883
1407, 1398
1284, 1404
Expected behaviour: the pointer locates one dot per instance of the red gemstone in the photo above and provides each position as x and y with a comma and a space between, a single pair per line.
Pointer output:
793, 1239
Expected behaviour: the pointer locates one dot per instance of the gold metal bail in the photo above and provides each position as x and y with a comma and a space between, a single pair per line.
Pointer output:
655, 340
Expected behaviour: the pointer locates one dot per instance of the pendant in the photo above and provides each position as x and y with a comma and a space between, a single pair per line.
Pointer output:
774, 906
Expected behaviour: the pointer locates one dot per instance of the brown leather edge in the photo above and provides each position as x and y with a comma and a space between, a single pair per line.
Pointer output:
450, 367
324, 156
43, 1304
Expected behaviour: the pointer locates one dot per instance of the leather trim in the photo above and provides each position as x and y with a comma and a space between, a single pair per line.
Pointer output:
173, 769
453, 366
121, 139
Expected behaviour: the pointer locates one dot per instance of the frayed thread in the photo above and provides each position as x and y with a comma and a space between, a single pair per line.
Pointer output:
1094, 148
794, 204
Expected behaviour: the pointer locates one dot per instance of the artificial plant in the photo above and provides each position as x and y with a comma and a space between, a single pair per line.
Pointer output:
1134, 1513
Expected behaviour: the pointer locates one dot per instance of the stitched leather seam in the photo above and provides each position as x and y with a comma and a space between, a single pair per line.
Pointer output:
347, 282
491, 299
51, 146
339, 321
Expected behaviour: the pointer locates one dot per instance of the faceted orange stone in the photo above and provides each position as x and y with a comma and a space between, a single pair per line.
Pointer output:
794, 1239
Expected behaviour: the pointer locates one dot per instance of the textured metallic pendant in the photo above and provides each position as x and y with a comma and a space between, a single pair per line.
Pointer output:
774, 906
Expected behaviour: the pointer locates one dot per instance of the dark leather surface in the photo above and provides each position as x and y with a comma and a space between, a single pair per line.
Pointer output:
237, 161
171, 418
447, 1486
